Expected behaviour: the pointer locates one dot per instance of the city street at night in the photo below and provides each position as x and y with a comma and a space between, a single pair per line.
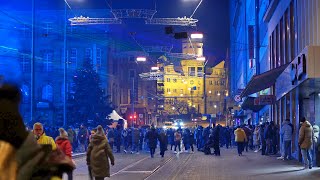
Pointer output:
98, 89
197, 166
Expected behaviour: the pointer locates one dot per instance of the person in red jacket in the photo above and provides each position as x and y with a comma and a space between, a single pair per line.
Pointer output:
64, 145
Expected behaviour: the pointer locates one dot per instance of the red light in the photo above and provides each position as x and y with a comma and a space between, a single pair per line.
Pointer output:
134, 116
130, 117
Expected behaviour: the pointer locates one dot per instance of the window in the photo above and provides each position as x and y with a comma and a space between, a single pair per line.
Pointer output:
88, 53
47, 93
73, 59
47, 57
25, 63
222, 83
181, 91
192, 71
168, 79
168, 89
98, 58
198, 88
47, 28
216, 83
175, 90
174, 80
210, 82
25, 93
200, 71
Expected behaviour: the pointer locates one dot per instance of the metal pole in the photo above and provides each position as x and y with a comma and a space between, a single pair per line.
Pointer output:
257, 58
65, 67
132, 101
32, 61
204, 88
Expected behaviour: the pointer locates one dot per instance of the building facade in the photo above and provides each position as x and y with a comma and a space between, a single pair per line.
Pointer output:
189, 91
286, 41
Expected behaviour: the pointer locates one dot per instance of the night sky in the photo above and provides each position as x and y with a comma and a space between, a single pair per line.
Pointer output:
213, 18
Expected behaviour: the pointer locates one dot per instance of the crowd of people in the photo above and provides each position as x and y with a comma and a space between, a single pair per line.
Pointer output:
34, 153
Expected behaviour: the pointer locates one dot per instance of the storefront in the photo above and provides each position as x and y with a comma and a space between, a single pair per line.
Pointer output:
297, 90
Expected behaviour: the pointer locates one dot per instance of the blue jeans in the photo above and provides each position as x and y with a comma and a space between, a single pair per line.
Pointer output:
287, 149
306, 154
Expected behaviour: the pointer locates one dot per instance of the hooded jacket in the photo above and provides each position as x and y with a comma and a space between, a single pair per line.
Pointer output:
286, 131
306, 135
98, 155
64, 144
240, 135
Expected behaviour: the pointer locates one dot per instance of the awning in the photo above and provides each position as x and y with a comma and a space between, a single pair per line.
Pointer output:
263, 81
248, 104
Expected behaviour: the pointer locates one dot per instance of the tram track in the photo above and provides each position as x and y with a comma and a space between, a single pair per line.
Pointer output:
181, 166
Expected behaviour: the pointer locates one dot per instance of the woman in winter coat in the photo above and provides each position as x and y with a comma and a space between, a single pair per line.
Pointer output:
64, 145
98, 155
240, 139
256, 138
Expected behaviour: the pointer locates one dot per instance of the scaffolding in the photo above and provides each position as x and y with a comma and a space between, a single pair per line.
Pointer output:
147, 14
181, 56
184, 21
77, 21
155, 49
133, 13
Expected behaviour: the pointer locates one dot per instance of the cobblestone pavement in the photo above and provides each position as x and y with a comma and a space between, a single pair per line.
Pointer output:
197, 166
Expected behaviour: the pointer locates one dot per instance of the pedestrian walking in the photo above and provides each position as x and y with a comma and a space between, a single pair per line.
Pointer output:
41, 137
177, 141
256, 138
135, 140
152, 137
110, 135
240, 139
163, 140
64, 145
98, 155
305, 142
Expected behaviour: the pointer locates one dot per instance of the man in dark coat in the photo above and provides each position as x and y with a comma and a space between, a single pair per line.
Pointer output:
152, 136
117, 137
163, 139
216, 139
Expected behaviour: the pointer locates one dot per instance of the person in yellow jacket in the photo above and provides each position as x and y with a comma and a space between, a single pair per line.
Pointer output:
240, 139
41, 137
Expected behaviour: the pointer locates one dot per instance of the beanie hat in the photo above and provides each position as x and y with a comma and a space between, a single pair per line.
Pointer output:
63, 133
100, 130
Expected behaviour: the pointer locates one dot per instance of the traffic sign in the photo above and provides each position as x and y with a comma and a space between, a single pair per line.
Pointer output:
237, 98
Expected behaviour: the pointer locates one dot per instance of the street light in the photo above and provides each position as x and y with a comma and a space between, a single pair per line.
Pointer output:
197, 36
201, 58
141, 59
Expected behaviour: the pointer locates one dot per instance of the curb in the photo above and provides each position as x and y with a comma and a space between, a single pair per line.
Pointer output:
78, 155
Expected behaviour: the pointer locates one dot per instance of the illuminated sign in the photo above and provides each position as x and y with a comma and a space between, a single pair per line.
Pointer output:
264, 100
